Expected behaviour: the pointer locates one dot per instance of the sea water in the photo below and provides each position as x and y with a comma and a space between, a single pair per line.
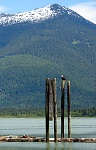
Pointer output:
81, 128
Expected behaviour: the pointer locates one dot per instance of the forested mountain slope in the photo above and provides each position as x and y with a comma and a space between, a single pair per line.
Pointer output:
30, 52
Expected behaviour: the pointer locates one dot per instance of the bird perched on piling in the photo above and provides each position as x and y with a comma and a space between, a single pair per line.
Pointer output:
62, 77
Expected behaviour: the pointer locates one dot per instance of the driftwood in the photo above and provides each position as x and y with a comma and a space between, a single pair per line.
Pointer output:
27, 138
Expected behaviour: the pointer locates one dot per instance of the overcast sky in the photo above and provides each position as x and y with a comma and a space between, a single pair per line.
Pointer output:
86, 8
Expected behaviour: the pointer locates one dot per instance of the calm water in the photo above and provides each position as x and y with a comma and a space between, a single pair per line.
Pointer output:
81, 127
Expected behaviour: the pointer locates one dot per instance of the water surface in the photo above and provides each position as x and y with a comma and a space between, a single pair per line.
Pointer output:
81, 127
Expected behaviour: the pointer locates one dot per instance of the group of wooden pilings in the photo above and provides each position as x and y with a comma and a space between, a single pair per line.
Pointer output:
51, 107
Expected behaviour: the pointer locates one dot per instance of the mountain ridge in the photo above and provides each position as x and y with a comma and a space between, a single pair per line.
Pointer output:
36, 15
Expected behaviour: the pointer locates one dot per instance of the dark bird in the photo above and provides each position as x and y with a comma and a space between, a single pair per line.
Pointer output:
62, 77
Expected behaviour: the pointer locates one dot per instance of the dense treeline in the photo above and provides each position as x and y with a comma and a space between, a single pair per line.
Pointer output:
82, 112
37, 112
16, 112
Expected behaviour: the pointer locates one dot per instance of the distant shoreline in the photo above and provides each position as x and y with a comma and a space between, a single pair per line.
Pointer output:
40, 112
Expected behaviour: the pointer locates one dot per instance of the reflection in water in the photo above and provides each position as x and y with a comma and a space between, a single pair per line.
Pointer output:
60, 146
53, 146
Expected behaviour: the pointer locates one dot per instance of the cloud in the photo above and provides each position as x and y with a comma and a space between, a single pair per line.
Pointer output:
86, 10
3, 9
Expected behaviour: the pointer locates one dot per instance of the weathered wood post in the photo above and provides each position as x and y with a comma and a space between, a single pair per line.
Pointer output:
62, 107
69, 109
50, 101
55, 109
47, 109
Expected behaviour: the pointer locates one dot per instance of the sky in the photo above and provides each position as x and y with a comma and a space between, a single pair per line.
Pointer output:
86, 8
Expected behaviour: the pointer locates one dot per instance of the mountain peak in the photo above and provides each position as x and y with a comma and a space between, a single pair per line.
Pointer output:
36, 15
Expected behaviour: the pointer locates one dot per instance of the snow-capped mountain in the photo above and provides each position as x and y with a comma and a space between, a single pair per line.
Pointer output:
36, 15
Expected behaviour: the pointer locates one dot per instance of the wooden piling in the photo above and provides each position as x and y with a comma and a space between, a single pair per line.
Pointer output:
50, 101
62, 107
55, 109
47, 109
69, 109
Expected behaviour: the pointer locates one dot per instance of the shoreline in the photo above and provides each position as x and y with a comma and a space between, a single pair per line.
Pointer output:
26, 138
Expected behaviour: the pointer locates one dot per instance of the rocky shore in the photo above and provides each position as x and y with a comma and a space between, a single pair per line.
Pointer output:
26, 138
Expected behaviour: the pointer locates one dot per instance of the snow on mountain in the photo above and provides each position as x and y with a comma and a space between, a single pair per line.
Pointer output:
35, 15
